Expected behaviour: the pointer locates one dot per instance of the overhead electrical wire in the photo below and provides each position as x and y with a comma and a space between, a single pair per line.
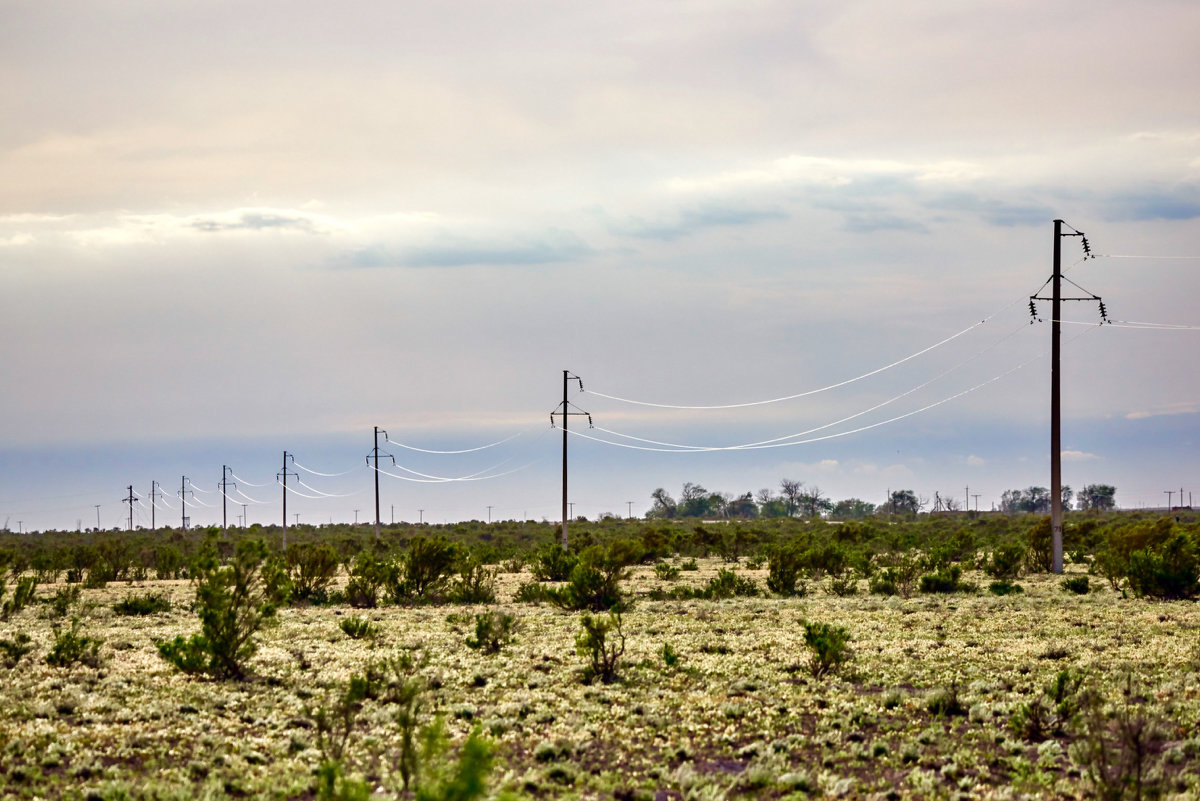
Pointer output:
247, 497
391, 441
880, 405
326, 494
325, 475
839, 434
807, 393
474, 477
302, 494
241, 480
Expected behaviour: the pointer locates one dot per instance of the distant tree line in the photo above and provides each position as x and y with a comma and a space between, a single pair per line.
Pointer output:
794, 499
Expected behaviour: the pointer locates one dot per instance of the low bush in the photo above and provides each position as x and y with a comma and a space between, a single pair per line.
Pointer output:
135, 605
1169, 572
1003, 587
728, 584
601, 643
71, 647
1077, 585
232, 605
946, 580
785, 564
828, 646
312, 568
21, 597
476, 584
493, 630
11, 651
553, 563
359, 628
666, 571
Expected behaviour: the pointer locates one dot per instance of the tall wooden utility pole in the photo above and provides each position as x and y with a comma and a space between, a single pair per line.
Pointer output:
1056, 510
565, 411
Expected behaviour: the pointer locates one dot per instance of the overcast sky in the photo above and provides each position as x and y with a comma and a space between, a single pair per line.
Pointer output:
230, 229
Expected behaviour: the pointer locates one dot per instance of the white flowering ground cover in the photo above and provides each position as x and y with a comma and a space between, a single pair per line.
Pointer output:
737, 714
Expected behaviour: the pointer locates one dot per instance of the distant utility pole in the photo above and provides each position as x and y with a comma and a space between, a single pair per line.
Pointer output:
1169, 494
97, 516
976, 497
245, 517
375, 455
1056, 299
183, 493
356, 517
630, 505
154, 493
225, 471
129, 500
489, 514
564, 411
282, 476
421, 517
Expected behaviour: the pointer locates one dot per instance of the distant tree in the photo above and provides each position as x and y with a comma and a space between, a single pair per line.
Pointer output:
813, 503
742, 506
1067, 494
1100, 497
664, 506
1033, 500
851, 509
694, 501
904, 502
791, 496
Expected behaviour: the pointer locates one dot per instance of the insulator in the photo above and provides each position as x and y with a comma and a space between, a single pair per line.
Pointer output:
1087, 249
1032, 310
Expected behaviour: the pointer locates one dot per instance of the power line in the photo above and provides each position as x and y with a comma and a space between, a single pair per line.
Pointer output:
464, 450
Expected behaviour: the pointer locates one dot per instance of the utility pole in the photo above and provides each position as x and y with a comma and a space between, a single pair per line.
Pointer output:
1169, 494
489, 514
183, 493
129, 500
1056, 510
282, 475
356, 517
564, 410
97, 516
245, 517
421, 517
1056, 299
154, 493
630, 505
976, 497
375, 455
225, 471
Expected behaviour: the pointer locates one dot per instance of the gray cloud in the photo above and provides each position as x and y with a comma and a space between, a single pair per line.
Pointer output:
695, 220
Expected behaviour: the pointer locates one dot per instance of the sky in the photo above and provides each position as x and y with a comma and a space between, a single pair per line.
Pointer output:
234, 230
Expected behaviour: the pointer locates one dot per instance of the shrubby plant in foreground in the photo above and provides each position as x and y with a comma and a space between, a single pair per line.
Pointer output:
232, 604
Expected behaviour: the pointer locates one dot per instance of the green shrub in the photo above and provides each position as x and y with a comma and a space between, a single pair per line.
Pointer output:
367, 575
1005, 562
493, 630
669, 656
423, 574
601, 643
553, 563
232, 605
595, 582
946, 702
842, 586
1076, 584
1120, 750
531, 592
359, 628
946, 580
1003, 587
21, 597
666, 571
312, 568
690, 565
71, 647
728, 584
785, 563
899, 576
11, 651
60, 603
476, 584
1170, 572
828, 646
151, 604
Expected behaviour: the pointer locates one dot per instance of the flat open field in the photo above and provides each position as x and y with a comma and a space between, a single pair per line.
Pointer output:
738, 713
